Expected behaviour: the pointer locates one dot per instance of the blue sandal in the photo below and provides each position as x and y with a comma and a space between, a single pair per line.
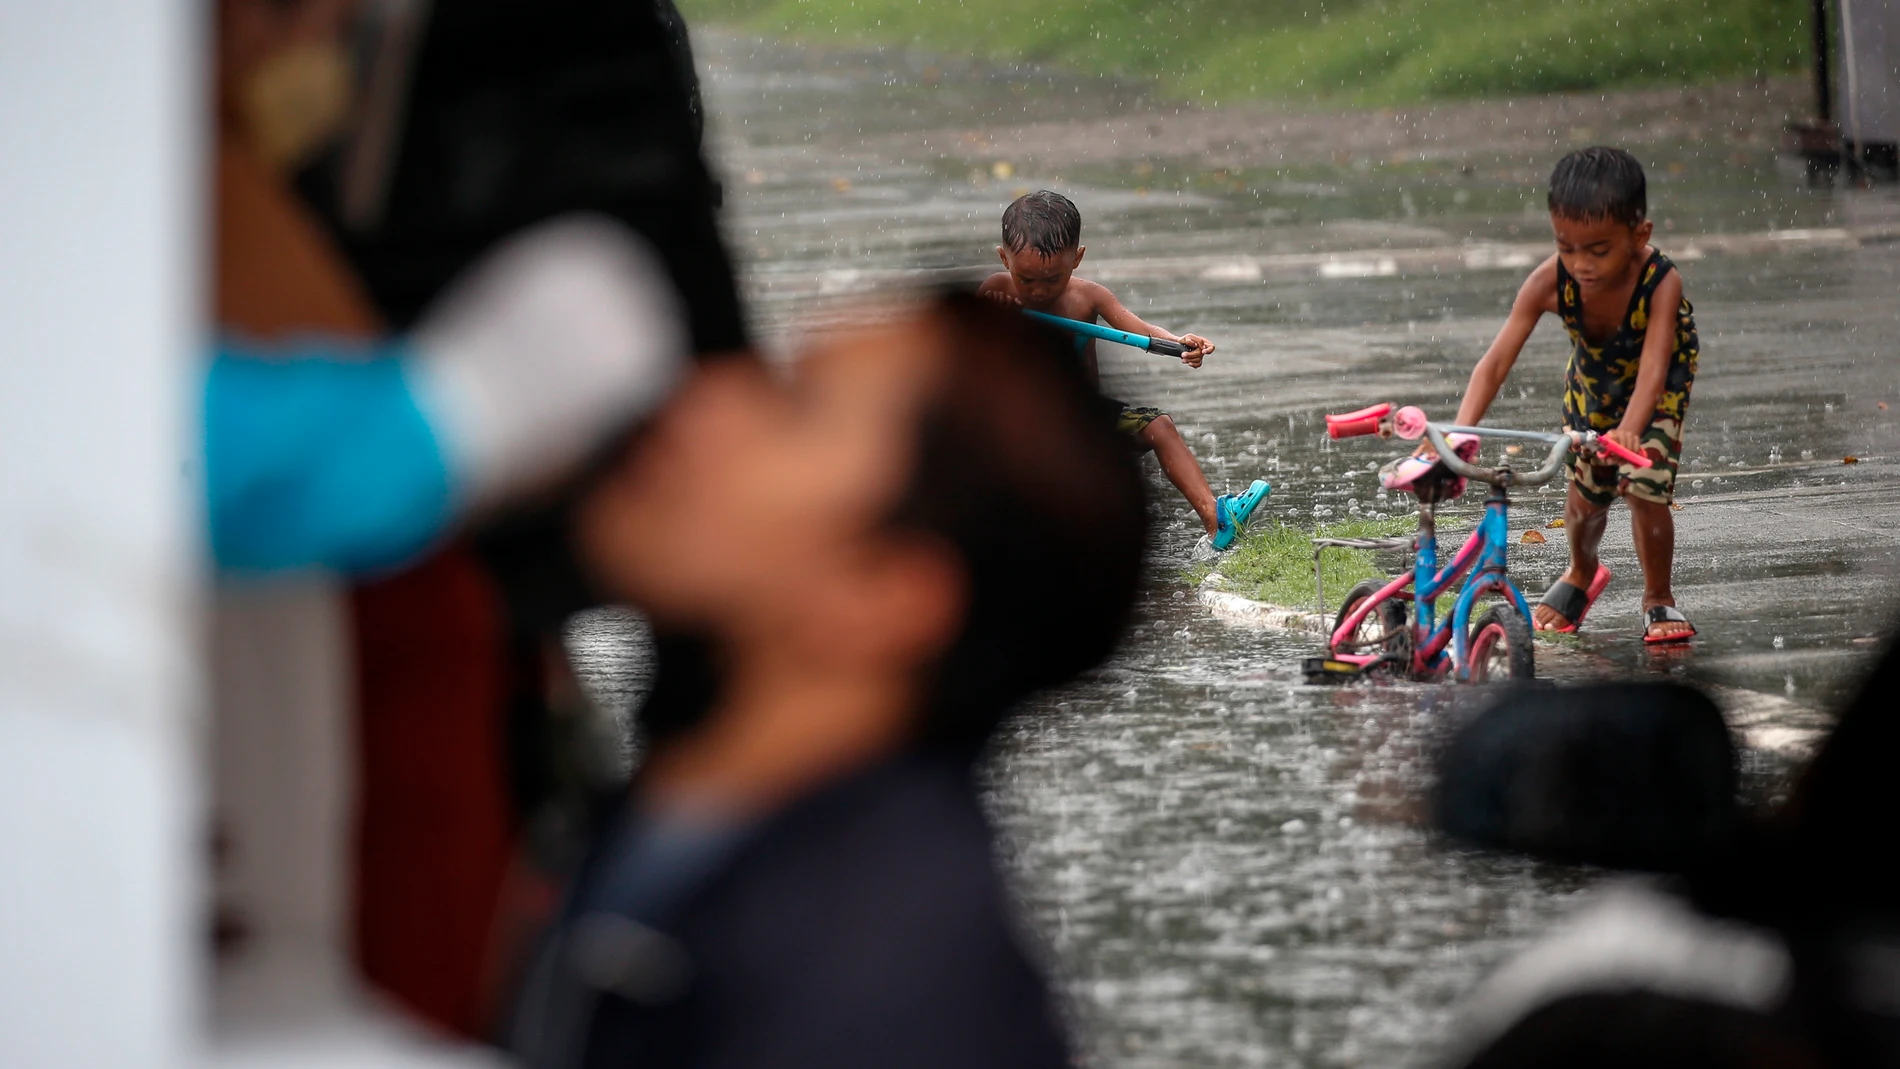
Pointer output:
1234, 510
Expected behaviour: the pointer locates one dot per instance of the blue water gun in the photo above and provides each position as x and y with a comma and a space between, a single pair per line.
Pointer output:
1119, 337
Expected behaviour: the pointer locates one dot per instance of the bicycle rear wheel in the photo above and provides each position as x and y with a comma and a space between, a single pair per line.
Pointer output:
1386, 629
1500, 646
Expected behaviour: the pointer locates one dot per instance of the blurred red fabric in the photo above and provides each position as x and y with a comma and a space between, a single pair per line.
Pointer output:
435, 837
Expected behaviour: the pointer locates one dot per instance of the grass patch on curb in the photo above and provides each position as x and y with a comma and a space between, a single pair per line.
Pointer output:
1274, 562
1365, 51
1566, 639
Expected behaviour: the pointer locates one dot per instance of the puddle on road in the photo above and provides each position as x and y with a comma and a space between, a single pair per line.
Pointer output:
1224, 863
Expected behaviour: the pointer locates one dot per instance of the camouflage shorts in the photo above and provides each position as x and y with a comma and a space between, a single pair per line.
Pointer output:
1132, 421
1602, 484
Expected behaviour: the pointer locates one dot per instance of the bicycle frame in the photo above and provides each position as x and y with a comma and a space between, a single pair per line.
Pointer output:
1439, 647
1482, 562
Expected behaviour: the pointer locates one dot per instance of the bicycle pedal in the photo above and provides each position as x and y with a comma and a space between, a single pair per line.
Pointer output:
1327, 670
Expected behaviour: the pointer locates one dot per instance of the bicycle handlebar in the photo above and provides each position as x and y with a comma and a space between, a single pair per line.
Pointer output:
1500, 476
1410, 423
1637, 459
1372, 420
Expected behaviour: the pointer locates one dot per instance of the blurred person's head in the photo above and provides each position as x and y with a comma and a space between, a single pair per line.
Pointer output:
1042, 245
926, 522
1599, 212
284, 80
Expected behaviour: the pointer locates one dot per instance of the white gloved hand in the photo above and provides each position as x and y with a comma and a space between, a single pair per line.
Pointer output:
561, 336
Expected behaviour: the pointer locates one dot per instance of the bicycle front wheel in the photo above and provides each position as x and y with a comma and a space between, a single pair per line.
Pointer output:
1500, 646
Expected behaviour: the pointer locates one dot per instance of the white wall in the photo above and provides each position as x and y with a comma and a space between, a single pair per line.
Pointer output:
1868, 70
99, 291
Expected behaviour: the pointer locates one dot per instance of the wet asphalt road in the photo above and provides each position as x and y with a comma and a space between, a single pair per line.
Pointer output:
1224, 864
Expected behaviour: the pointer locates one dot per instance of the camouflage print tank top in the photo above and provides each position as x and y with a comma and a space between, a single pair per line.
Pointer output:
1601, 377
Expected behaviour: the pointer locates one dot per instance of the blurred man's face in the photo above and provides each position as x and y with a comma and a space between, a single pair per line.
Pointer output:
1040, 278
755, 500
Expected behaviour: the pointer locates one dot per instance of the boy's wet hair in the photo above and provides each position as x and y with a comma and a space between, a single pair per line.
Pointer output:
1020, 471
1045, 221
1600, 183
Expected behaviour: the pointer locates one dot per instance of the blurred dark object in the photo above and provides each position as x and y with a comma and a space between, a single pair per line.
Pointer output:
1631, 776
1819, 145
516, 111
1784, 927
861, 927
1650, 1029
1846, 801
1838, 888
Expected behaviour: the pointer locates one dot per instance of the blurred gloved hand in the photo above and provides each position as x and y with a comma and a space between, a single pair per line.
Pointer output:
350, 458
561, 336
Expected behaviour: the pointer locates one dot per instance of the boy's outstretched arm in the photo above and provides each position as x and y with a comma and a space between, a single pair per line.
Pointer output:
1111, 309
1537, 296
1659, 347
998, 288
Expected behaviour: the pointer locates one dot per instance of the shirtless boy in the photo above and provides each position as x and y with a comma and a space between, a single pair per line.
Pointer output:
1042, 247
1632, 363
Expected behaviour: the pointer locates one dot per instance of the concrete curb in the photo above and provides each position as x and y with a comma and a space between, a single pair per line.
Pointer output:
1246, 612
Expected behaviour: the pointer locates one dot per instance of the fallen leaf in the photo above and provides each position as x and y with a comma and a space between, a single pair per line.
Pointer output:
1850, 460
1513, 450
1556, 524
1882, 405
1675, 506
1534, 536
842, 185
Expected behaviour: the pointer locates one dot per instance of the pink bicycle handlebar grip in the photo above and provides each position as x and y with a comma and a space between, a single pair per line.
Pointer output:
1638, 459
1409, 423
1354, 424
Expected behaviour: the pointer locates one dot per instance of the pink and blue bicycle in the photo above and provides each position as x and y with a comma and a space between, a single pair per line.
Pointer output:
1374, 633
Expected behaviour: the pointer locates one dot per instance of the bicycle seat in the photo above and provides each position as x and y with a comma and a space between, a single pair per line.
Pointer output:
1429, 477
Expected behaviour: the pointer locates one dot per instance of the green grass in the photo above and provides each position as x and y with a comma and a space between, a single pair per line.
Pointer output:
1274, 562
1364, 51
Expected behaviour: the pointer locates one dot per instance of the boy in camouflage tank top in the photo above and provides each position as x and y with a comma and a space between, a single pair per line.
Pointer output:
1632, 364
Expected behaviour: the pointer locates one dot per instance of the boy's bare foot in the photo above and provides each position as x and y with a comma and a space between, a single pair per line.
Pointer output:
1545, 618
